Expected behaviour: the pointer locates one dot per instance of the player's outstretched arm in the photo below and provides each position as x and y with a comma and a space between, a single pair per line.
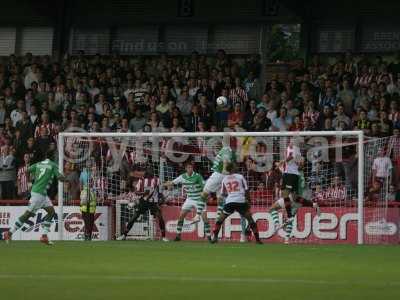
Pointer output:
62, 178
168, 184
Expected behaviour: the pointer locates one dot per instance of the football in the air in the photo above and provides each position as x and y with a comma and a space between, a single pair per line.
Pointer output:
222, 101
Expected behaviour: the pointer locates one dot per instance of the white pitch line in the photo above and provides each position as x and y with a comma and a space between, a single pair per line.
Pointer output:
192, 279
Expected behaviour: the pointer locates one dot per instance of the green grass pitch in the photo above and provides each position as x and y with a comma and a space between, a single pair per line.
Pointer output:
156, 270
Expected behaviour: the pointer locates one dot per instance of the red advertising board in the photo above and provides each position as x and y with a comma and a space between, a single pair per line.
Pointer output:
333, 226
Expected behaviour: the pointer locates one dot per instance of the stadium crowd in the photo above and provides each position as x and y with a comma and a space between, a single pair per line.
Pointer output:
40, 98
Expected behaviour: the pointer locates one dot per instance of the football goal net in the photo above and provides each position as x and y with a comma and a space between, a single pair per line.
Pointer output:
336, 171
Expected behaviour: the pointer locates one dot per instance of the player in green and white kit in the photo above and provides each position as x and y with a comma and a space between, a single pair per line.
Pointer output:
193, 184
291, 203
43, 174
213, 184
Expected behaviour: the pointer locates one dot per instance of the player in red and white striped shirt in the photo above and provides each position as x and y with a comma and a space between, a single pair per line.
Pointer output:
150, 199
23, 184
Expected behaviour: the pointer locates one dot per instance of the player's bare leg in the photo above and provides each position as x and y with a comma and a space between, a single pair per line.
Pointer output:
46, 225
7, 236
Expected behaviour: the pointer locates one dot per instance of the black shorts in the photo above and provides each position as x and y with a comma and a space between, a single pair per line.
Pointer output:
143, 206
290, 182
241, 208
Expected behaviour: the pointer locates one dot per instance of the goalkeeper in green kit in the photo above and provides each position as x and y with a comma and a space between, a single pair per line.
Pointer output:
43, 173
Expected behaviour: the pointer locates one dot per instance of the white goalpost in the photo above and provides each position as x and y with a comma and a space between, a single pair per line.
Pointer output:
120, 158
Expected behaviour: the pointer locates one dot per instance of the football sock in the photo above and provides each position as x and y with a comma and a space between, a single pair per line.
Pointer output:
289, 228
179, 227
161, 223
18, 224
207, 229
201, 204
217, 228
253, 226
243, 224
46, 227
220, 209
47, 223
275, 217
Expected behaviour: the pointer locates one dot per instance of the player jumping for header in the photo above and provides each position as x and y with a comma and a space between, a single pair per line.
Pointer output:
43, 174
213, 184
291, 173
236, 193
193, 184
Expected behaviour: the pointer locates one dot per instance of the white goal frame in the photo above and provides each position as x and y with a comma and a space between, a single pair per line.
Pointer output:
357, 134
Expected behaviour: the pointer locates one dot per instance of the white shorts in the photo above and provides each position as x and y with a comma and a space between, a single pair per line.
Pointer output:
189, 204
213, 183
38, 201
280, 202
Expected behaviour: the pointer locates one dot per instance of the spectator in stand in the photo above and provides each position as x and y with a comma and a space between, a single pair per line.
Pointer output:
291, 110
252, 86
394, 153
46, 127
382, 169
297, 124
312, 114
236, 117
249, 115
362, 122
25, 127
181, 93
3, 111
176, 125
23, 180
261, 122
137, 123
7, 172
43, 141
328, 99
16, 114
341, 117
347, 97
283, 122
385, 125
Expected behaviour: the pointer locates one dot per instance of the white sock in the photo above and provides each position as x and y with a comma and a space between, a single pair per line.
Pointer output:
16, 226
